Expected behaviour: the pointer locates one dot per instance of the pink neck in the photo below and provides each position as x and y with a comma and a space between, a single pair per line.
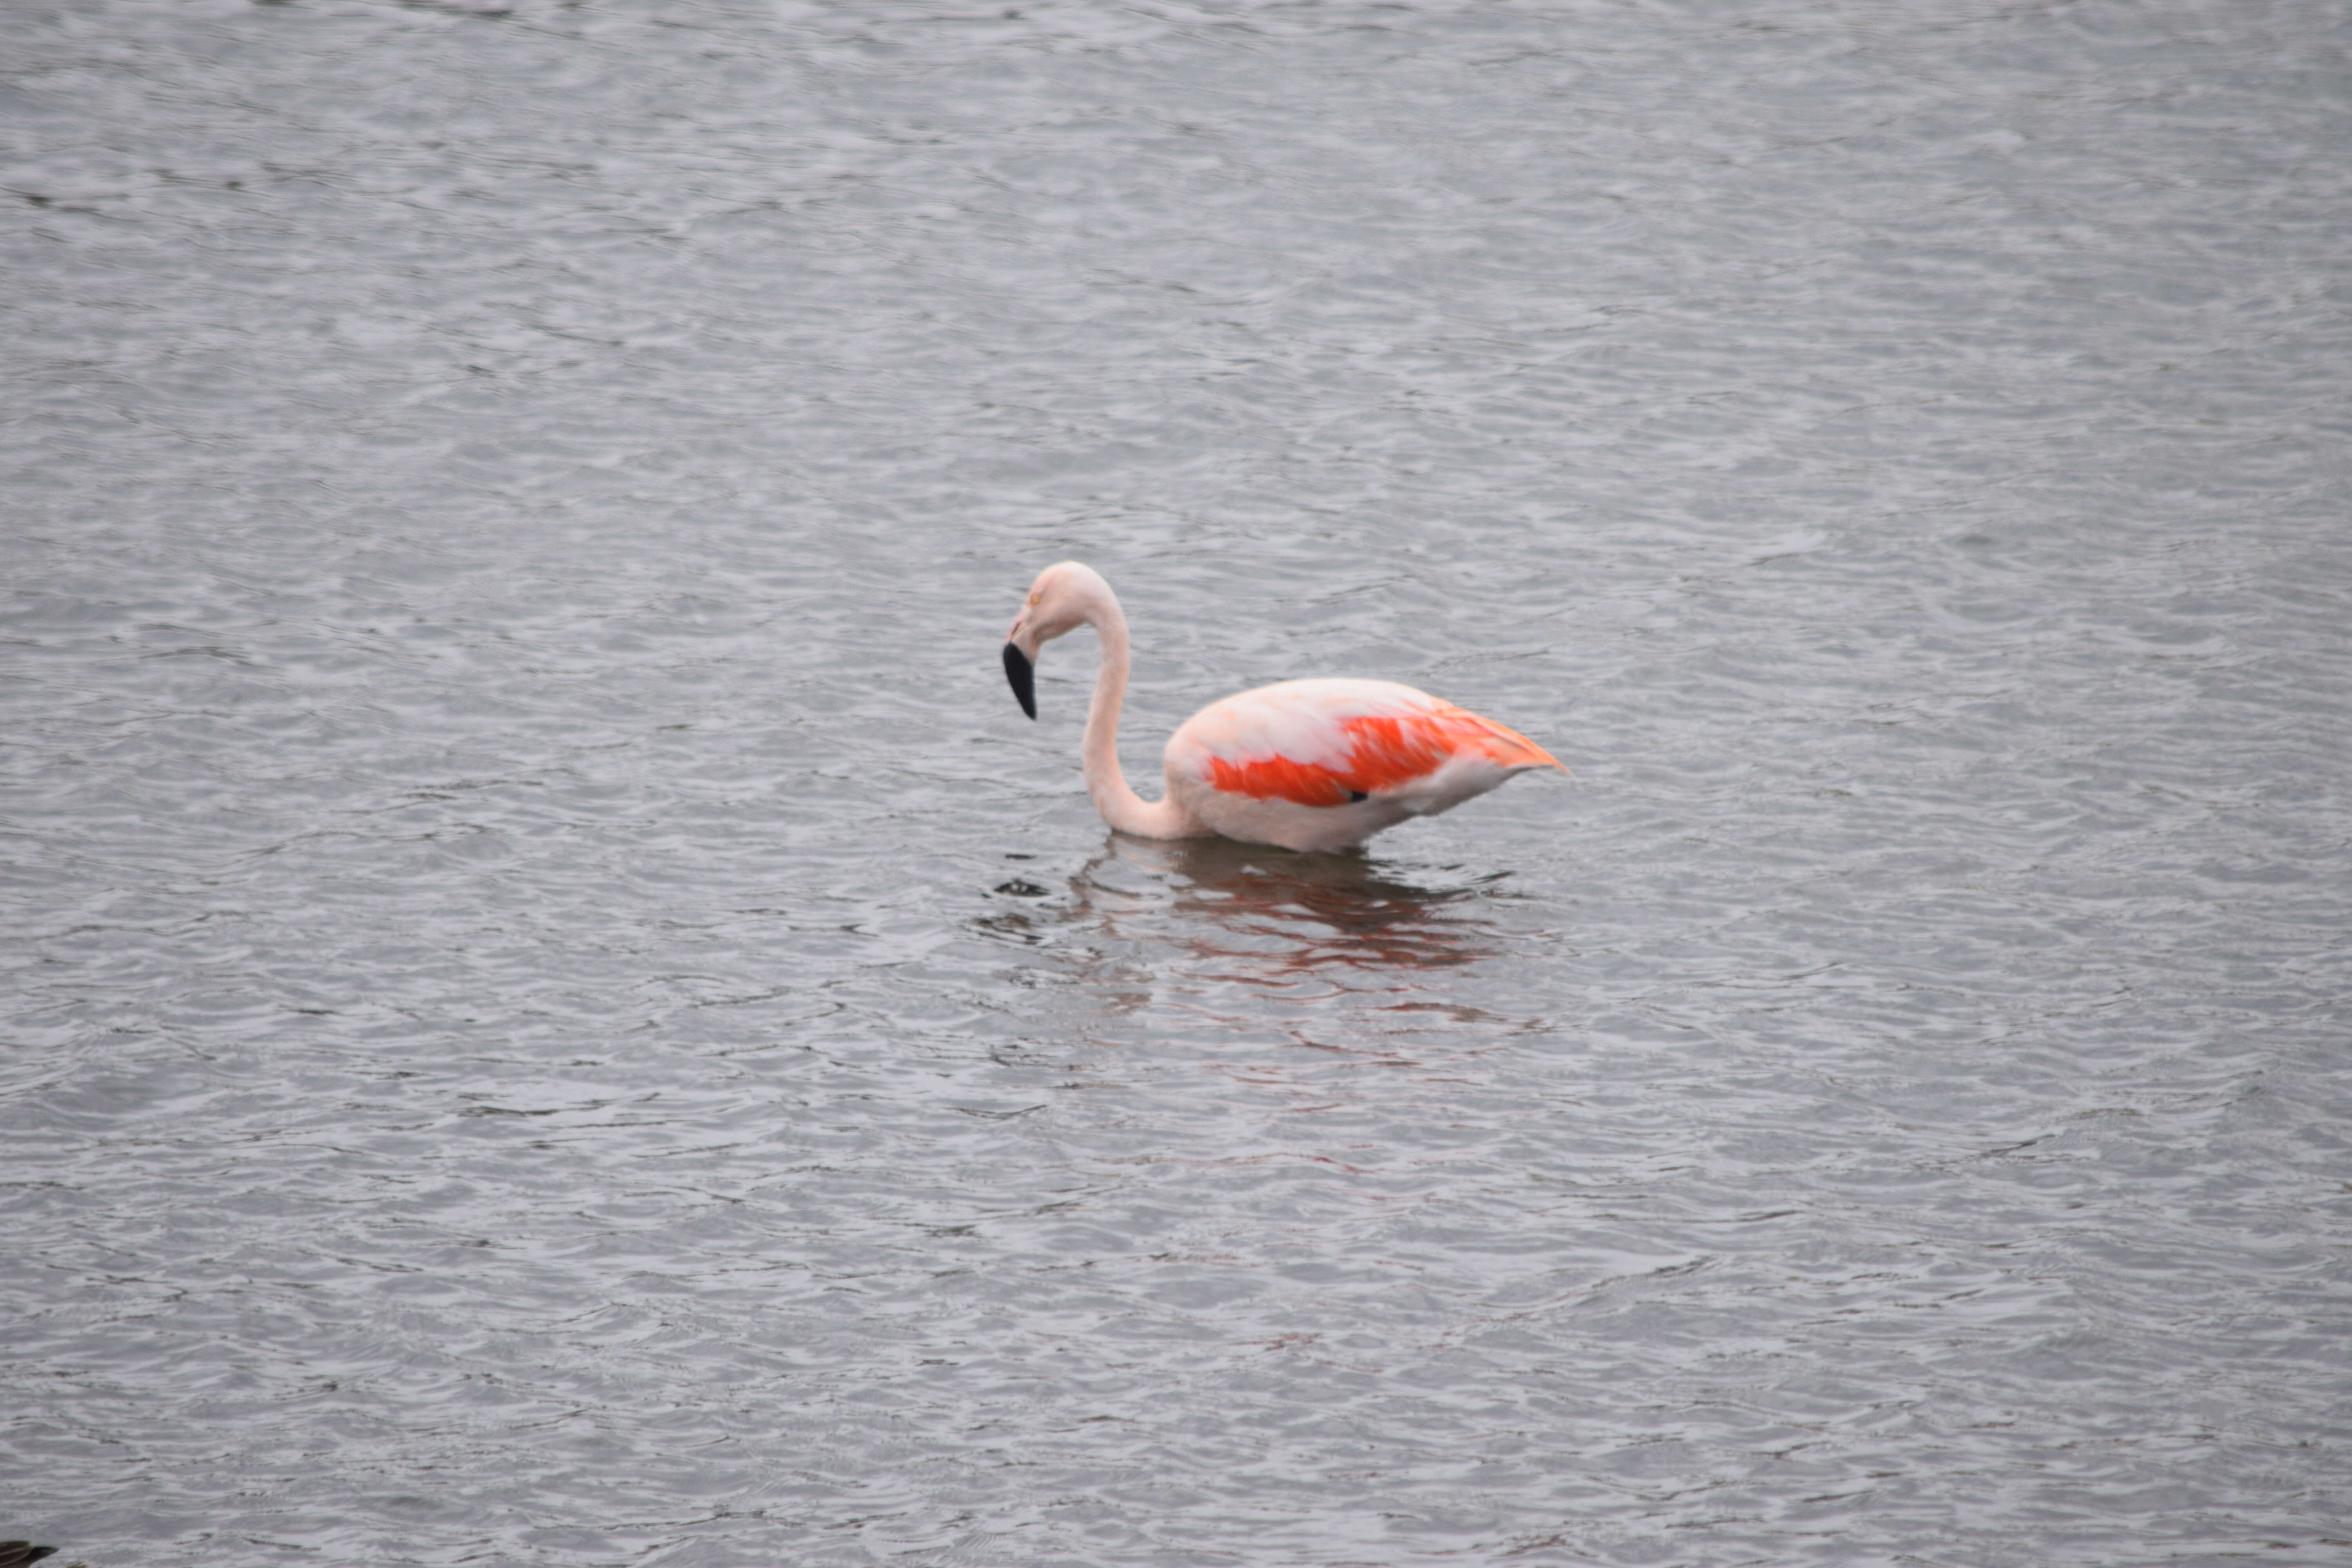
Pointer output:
1122, 806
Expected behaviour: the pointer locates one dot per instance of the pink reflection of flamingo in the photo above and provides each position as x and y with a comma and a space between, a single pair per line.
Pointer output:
1307, 764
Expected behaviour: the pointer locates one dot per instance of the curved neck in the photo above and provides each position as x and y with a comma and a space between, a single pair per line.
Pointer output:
1121, 806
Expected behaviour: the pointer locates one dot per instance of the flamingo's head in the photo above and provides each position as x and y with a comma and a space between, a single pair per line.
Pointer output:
1065, 596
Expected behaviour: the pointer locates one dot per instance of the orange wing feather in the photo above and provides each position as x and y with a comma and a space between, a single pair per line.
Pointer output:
1385, 752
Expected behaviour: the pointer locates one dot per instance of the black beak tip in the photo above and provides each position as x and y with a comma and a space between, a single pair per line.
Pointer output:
1023, 677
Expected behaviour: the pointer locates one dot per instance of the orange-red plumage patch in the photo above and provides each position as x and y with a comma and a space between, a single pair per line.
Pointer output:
1279, 778
1385, 752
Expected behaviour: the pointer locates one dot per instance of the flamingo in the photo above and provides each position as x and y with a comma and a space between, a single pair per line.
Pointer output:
1307, 764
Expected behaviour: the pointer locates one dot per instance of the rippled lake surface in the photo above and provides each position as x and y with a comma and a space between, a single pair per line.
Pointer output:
558, 1013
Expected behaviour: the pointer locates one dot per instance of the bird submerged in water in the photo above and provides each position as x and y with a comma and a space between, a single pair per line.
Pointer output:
1307, 764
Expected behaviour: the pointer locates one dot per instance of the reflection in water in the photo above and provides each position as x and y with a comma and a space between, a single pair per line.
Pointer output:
1282, 914
1220, 929
1236, 942
1366, 953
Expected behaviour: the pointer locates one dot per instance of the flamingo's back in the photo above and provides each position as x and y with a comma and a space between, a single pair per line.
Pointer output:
1317, 764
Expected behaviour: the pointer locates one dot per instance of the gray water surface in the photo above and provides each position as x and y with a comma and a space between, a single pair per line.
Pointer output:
558, 1013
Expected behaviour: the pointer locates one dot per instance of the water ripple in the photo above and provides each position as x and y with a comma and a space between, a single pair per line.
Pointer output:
557, 1012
